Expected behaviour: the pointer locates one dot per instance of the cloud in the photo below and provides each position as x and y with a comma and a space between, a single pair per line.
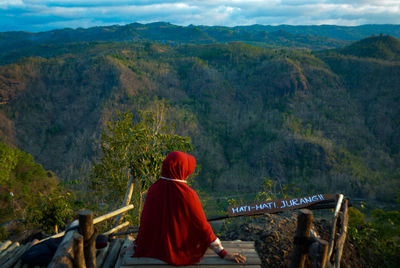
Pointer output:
40, 15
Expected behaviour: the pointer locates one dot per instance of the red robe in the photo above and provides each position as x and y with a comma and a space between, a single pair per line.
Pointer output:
173, 225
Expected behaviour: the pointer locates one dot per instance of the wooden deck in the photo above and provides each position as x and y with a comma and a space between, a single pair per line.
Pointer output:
210, 259
109, 257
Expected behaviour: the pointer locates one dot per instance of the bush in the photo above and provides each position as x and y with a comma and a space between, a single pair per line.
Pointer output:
52, 213
377, 239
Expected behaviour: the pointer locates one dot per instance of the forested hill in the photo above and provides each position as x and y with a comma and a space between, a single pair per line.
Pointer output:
323, 121
311, 37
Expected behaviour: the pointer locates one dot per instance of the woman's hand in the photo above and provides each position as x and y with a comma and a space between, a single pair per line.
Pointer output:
236, 257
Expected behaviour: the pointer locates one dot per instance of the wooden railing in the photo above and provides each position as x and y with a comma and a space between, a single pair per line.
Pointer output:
77, 248
321, 253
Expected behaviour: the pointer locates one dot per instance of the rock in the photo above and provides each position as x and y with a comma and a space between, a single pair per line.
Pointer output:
273, 235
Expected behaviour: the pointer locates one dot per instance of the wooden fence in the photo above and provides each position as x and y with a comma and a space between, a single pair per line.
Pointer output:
321, 253
77, 248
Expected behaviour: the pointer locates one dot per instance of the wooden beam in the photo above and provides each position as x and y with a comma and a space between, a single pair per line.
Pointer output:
79, 258
343, 232
64, 254
75, 223
5, 244
334, 222
112, 214
72, 226
113, 254
125, 245
86, 229
102, 255
115, 229
299, 254
127, 198
5, 255
318, 252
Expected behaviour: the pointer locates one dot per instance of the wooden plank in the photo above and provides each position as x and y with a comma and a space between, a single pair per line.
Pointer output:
232, 250
125, 246
115, 229
127, 198
238, 242
232, 265
247, 255
102, 255
241, 251
5, 255
60, 258
237, 247
9, 248
210, 260
112, 214
16, 255
5, 245
216, 260
113, 254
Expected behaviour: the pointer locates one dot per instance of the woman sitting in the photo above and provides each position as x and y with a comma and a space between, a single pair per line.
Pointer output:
173, 225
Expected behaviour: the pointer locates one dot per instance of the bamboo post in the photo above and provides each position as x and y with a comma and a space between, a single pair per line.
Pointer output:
343, 232
86, 229
79, 258
334, 222
112, 214
127, 198
115, 229
304, 222
131, 231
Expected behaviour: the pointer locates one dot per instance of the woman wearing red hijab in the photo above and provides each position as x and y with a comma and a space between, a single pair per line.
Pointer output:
173, 225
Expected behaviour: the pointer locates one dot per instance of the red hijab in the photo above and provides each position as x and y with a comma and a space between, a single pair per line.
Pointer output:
173, 225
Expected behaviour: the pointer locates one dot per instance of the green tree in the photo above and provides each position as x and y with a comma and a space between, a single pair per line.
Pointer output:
137, 143
8, 161
51, 212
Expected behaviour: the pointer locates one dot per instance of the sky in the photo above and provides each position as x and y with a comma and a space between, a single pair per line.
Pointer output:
43, 15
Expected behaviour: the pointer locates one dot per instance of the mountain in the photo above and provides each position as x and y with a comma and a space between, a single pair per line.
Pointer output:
310, 37
324, 121
384, 47
350, 33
